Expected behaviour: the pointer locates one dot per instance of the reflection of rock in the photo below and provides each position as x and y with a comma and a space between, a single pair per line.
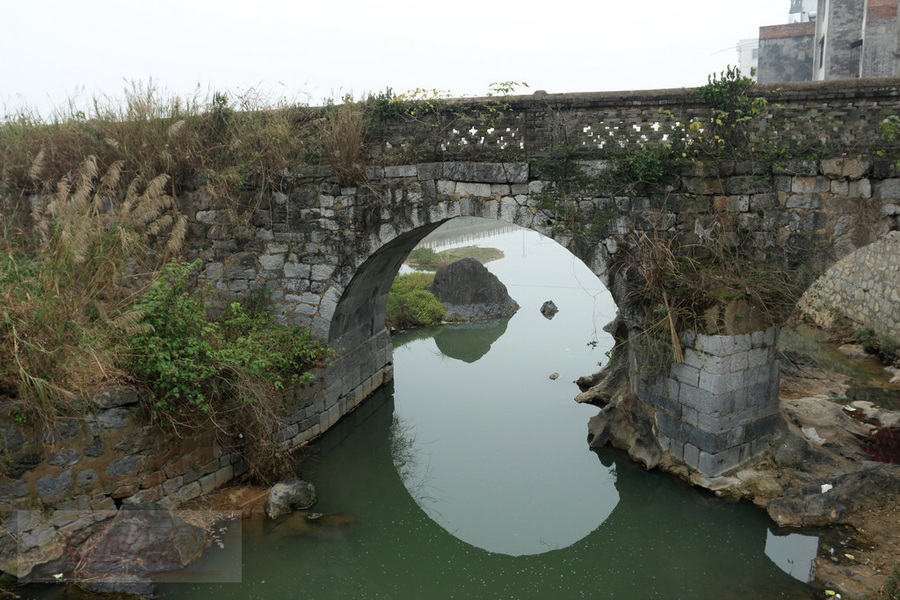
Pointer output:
470, 341
548, 309
469, 291
315, 525
288, 495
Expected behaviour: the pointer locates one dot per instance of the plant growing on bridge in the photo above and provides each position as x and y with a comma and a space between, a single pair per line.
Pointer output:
574, 181
66, 293
713, 285
224, 143
226, 373
732, 109
343, 141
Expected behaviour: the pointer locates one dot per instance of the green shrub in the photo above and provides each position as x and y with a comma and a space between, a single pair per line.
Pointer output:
410, 304
193, 363
427, 259
224, 374
886, 347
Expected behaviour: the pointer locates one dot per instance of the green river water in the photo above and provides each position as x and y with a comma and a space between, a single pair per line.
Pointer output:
470, 477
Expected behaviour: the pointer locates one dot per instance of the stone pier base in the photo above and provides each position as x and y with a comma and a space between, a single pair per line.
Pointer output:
720, 406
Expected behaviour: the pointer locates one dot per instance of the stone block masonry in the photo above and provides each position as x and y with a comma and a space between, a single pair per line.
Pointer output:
865, 285
720, 406
323, 255
109, 457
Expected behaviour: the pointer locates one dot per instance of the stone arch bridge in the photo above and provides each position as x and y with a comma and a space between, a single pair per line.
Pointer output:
325, 253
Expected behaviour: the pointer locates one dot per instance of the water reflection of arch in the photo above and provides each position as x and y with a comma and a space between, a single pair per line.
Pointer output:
663, 539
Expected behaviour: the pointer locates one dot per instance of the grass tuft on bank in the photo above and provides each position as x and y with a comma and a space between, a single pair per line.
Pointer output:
411, 305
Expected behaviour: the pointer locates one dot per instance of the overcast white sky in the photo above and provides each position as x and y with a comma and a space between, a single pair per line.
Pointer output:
54, 50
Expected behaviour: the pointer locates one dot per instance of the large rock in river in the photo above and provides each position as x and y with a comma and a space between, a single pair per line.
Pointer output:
288, 495
469, 291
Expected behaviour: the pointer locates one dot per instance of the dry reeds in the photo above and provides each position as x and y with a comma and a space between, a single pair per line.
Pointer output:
67, 302
343, 141
224, 139
716, 285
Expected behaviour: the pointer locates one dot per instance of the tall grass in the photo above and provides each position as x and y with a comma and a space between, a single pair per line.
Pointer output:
223, 139
81, 266
343, 141
66, 292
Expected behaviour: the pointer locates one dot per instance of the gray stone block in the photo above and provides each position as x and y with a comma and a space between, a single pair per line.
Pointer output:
723, 345
64, 458
697, 437
721, 384
49, 487
713, 464
684, 373
123, 466
426, 171
400, 171
692, 456
170, 486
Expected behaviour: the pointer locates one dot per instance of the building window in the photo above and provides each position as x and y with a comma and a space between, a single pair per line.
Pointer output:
755, 54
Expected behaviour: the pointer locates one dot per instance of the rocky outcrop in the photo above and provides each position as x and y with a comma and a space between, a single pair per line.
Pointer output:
627, 423
106, 550
470, 292
817, 471
288, 495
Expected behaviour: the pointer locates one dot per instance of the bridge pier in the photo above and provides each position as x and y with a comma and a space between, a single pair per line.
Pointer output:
719, 407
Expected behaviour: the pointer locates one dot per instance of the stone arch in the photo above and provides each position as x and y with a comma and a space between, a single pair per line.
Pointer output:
359, 312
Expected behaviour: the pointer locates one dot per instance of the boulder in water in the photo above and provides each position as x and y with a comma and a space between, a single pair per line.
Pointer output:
470, 292
548, 309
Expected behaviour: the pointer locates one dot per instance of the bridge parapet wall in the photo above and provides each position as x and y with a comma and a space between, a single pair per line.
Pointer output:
808, 114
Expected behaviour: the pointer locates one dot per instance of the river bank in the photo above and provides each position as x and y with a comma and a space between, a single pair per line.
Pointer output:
819, 474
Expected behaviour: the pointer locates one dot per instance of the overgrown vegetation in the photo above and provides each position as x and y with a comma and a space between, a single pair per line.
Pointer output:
92, 297
66, 307
427, 259
885, 346
711, 279
410, 304
712, 287
227, 142
228, 372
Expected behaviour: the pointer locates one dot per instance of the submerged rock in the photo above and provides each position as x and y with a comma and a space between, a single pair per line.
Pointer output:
470, 292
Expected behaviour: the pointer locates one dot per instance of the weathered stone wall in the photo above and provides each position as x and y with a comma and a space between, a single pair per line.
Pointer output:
863, 287
806, 113
324, 255
109, 457
720, 406
327, 254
